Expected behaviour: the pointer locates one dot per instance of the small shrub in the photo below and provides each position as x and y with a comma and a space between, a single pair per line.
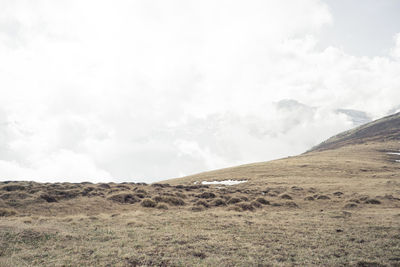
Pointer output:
323, 197
148, 203
263, 201
309, 198
256, 204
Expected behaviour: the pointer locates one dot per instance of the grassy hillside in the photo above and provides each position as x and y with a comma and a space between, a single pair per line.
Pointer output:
336, 205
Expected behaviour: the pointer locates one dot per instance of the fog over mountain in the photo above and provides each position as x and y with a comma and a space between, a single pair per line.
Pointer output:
149, 90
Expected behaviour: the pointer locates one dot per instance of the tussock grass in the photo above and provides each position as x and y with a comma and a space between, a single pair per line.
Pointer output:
335, 215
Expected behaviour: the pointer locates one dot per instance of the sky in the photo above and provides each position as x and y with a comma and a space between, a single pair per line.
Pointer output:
141, 91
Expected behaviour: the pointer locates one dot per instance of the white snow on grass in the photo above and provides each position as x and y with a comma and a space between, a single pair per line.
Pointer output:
225, 182
395, 153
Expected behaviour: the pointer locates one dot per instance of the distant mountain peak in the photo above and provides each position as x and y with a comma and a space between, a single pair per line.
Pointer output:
358, 117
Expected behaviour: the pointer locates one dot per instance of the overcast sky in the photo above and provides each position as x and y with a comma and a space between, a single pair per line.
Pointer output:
148, 90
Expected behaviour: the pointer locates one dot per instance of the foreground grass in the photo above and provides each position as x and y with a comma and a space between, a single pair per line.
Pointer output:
329, 208
150, 237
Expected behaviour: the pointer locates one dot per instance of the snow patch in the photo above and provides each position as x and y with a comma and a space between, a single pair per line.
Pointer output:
225, 182
394, 153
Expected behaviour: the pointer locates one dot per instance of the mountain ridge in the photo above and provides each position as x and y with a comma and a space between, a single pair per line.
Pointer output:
386, 128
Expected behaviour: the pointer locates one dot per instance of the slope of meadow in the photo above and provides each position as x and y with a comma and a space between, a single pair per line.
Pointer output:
336, 205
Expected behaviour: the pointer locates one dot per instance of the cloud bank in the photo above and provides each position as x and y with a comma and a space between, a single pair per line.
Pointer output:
149, 90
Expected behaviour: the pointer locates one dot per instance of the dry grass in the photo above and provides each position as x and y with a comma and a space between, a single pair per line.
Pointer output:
332, 208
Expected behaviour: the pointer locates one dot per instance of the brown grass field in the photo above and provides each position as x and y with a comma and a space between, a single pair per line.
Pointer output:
337, 205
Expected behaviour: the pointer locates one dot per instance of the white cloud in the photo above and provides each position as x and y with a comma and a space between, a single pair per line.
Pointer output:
146, 90
396, 49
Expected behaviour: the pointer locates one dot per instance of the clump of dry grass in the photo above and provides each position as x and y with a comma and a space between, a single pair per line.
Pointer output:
234, 200
202, 203
7, 212
372, 201
246, 206
175, 201
256, 204
197, 208
263, 201
124, 198
286, 196
219, 202
162, 206
148, 203
207, 195
74, 219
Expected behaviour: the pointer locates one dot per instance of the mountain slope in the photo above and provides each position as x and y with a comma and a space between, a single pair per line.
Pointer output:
385, 129
358, 153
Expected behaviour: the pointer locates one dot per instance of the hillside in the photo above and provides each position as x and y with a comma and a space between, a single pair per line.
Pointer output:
383, 130
336, 205
360, 153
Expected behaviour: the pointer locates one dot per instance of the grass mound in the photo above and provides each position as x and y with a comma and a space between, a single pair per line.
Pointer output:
148, 203
124, 198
